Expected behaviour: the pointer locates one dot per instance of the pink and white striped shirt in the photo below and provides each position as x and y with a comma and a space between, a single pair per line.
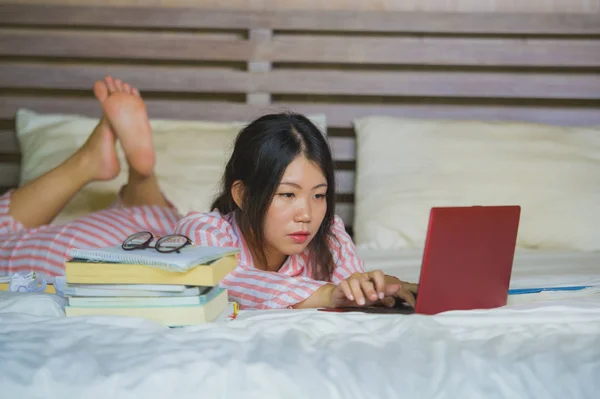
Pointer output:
254, 288
44, 249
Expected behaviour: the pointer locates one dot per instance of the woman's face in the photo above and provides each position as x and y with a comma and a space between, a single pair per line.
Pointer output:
296, 212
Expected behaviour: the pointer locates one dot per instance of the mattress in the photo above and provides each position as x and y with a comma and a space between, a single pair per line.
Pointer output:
544, 349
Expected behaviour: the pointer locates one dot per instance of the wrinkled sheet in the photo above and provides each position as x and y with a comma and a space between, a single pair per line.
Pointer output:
533, 350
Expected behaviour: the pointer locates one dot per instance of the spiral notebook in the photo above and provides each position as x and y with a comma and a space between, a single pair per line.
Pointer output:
186, 259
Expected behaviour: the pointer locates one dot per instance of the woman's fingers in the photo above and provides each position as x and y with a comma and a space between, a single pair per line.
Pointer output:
410, 287
379, 278
357, 291
347, 290
368, 288
388, 301
391, 289
407, 296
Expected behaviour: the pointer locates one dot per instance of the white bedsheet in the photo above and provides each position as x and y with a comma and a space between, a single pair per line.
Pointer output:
536, 350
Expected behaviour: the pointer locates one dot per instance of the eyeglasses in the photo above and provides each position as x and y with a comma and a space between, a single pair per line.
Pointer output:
165, 244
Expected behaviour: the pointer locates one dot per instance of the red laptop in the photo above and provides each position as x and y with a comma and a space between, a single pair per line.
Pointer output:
468, 258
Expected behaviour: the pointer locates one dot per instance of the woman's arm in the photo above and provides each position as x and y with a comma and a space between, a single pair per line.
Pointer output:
321, 298
259, 289
251, 287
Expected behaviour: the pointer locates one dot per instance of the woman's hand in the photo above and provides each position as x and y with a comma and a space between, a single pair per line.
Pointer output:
365, 289
406, 292
362, 289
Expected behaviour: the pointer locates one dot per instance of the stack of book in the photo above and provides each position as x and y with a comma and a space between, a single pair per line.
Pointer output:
175, 289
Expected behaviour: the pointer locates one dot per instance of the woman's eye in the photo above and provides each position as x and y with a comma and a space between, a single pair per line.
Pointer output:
320, 196
287, 195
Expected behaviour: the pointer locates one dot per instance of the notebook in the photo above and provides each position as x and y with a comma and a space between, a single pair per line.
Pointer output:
183, 261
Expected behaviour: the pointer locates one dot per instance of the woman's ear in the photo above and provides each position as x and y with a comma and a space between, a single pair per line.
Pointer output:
237, 192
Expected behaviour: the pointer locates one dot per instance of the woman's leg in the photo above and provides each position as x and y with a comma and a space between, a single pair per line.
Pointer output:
45, 249
126, 113
40, 200
124, 118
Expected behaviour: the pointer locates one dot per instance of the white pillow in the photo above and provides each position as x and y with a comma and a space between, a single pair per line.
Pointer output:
190, 158
406, 166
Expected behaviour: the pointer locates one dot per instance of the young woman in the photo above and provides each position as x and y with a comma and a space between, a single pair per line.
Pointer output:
276, 205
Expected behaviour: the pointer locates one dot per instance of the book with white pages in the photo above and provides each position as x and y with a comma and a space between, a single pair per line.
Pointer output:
133, 287
101, 292
125, 290
124, 301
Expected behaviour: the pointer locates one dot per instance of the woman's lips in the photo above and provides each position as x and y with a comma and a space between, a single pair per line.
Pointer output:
299, 238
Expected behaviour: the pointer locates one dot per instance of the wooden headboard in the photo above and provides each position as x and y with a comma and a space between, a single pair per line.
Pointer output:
236, 65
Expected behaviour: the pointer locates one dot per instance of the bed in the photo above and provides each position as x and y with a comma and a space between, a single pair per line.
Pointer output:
522, 92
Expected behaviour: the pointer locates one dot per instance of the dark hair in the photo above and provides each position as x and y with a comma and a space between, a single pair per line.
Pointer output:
262, 152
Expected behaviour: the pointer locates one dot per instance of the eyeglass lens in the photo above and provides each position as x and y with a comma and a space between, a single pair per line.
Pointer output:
171, 243
137, 240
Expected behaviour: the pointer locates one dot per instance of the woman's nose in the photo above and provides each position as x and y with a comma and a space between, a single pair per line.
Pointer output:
303, 214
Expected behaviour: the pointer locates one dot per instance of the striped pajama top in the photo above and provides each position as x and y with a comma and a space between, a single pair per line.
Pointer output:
44, 249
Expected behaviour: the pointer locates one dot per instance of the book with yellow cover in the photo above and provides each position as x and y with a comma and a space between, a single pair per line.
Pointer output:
84, 272
172, 316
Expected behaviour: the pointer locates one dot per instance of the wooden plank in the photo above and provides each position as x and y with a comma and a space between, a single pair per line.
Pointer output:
151, 78
226, 80
259, 67
343, 148
333, 20
176, 109
338, 115
263, 99
8, 142
434, 83
303, 49
122, 45
433, 51
343, 115
9, 174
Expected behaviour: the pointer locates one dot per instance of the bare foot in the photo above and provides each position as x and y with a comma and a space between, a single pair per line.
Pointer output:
126, 113
98, 153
